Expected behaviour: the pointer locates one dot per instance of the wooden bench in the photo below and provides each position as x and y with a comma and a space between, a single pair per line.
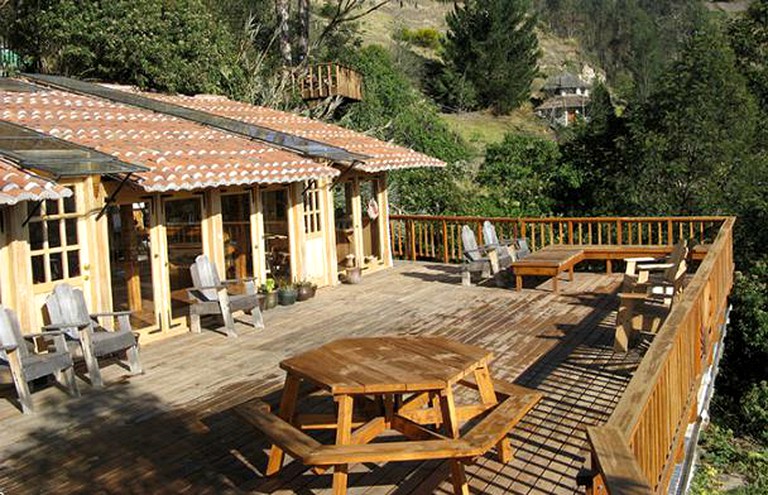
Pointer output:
490, 430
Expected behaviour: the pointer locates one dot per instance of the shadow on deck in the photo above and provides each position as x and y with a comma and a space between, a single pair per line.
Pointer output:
173, 429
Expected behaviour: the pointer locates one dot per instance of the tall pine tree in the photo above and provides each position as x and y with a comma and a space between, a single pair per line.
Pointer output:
492, 43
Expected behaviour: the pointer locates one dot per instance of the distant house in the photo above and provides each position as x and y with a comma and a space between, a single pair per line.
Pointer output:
567, 96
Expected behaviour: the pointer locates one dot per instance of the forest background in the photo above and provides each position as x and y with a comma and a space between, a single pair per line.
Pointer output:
676, 119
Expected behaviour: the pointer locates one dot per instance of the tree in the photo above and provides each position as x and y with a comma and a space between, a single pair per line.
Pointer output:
494, 45
749, 39
693, 141
174, 46
516, 177
394, 111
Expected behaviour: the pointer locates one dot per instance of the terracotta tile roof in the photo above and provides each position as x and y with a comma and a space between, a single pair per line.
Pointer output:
181, 155
384, 156
21, 185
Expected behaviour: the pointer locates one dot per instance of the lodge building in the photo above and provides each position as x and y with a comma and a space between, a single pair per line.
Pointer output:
116, 191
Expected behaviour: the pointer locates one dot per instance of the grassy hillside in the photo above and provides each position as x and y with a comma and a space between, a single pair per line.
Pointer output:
479, 128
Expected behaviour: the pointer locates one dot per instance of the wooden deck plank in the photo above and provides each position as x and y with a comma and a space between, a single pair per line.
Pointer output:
173, 429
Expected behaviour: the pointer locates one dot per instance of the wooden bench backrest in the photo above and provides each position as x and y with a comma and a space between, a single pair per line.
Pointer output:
10, 333
204, 274
66, 304
469, 242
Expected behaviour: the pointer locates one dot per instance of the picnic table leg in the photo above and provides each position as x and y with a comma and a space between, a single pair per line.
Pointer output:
488, 397
343, 437
570, 274
519, 282
287, 411
451, 428
555, 286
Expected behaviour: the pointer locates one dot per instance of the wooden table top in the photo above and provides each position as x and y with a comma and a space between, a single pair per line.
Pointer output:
387, 364
549, 256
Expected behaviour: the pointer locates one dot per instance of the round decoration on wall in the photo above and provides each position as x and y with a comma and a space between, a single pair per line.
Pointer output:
373, 209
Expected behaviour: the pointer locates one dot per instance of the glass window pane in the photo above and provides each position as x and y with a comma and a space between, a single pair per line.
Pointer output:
71, 226
38, 269
57, 268
70, 205
54, 233
73, 263
35, 235
33, 208
51, 207
185, 243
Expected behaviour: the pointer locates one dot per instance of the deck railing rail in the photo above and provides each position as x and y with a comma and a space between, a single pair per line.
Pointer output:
638, 448
661, 399
330, 79
438, 238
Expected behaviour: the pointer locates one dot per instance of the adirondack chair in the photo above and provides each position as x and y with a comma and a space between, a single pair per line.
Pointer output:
641, 286
67, 308
476, 259
210, 297
522, 248
26, 365
502, 247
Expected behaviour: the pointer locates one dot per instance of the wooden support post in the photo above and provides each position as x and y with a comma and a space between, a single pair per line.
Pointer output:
451, 428
343, 437
446, 257
287, 412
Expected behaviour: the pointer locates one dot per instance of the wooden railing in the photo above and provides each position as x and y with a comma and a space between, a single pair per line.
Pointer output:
331, 79
660, 401
425, 237
637, 449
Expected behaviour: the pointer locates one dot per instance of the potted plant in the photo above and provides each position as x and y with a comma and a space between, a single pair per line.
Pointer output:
306, 290
270, 295
286, 293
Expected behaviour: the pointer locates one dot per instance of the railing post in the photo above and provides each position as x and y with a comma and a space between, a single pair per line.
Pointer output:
446, 257
413, 239
619, 232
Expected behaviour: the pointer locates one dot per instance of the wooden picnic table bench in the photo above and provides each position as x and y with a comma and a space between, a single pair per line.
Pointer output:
412, 380
555, 259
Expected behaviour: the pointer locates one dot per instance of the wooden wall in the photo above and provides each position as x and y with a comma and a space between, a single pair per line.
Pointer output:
18, 291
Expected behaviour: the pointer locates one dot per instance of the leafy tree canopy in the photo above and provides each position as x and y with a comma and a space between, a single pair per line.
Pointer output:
170, 45
493, 44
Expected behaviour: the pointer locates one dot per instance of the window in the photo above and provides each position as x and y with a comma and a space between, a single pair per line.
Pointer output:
53, 239
312, 223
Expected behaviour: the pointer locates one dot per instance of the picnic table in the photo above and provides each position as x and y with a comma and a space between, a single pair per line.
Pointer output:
403, 384
549, 261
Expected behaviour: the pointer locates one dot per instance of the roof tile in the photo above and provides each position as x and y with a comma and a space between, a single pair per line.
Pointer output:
22, 185
181, 155
384, 155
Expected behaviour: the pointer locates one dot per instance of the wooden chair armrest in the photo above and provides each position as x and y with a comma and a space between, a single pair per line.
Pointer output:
642, 259
50, 333
61, 326
57, 336
114, 314
216, 287
654, 267
9, 347
234, 281
633, 295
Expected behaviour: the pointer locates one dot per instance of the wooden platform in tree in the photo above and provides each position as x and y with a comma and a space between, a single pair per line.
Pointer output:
174, 428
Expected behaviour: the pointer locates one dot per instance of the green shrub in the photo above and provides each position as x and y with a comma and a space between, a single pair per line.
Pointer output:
427, 37
754, 408
177, 46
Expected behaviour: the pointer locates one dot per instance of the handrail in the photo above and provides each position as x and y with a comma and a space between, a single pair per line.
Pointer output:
650, 420
655, 409
330, 79
439, 237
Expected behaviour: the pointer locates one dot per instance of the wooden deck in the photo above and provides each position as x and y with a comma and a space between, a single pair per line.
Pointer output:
172, 429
